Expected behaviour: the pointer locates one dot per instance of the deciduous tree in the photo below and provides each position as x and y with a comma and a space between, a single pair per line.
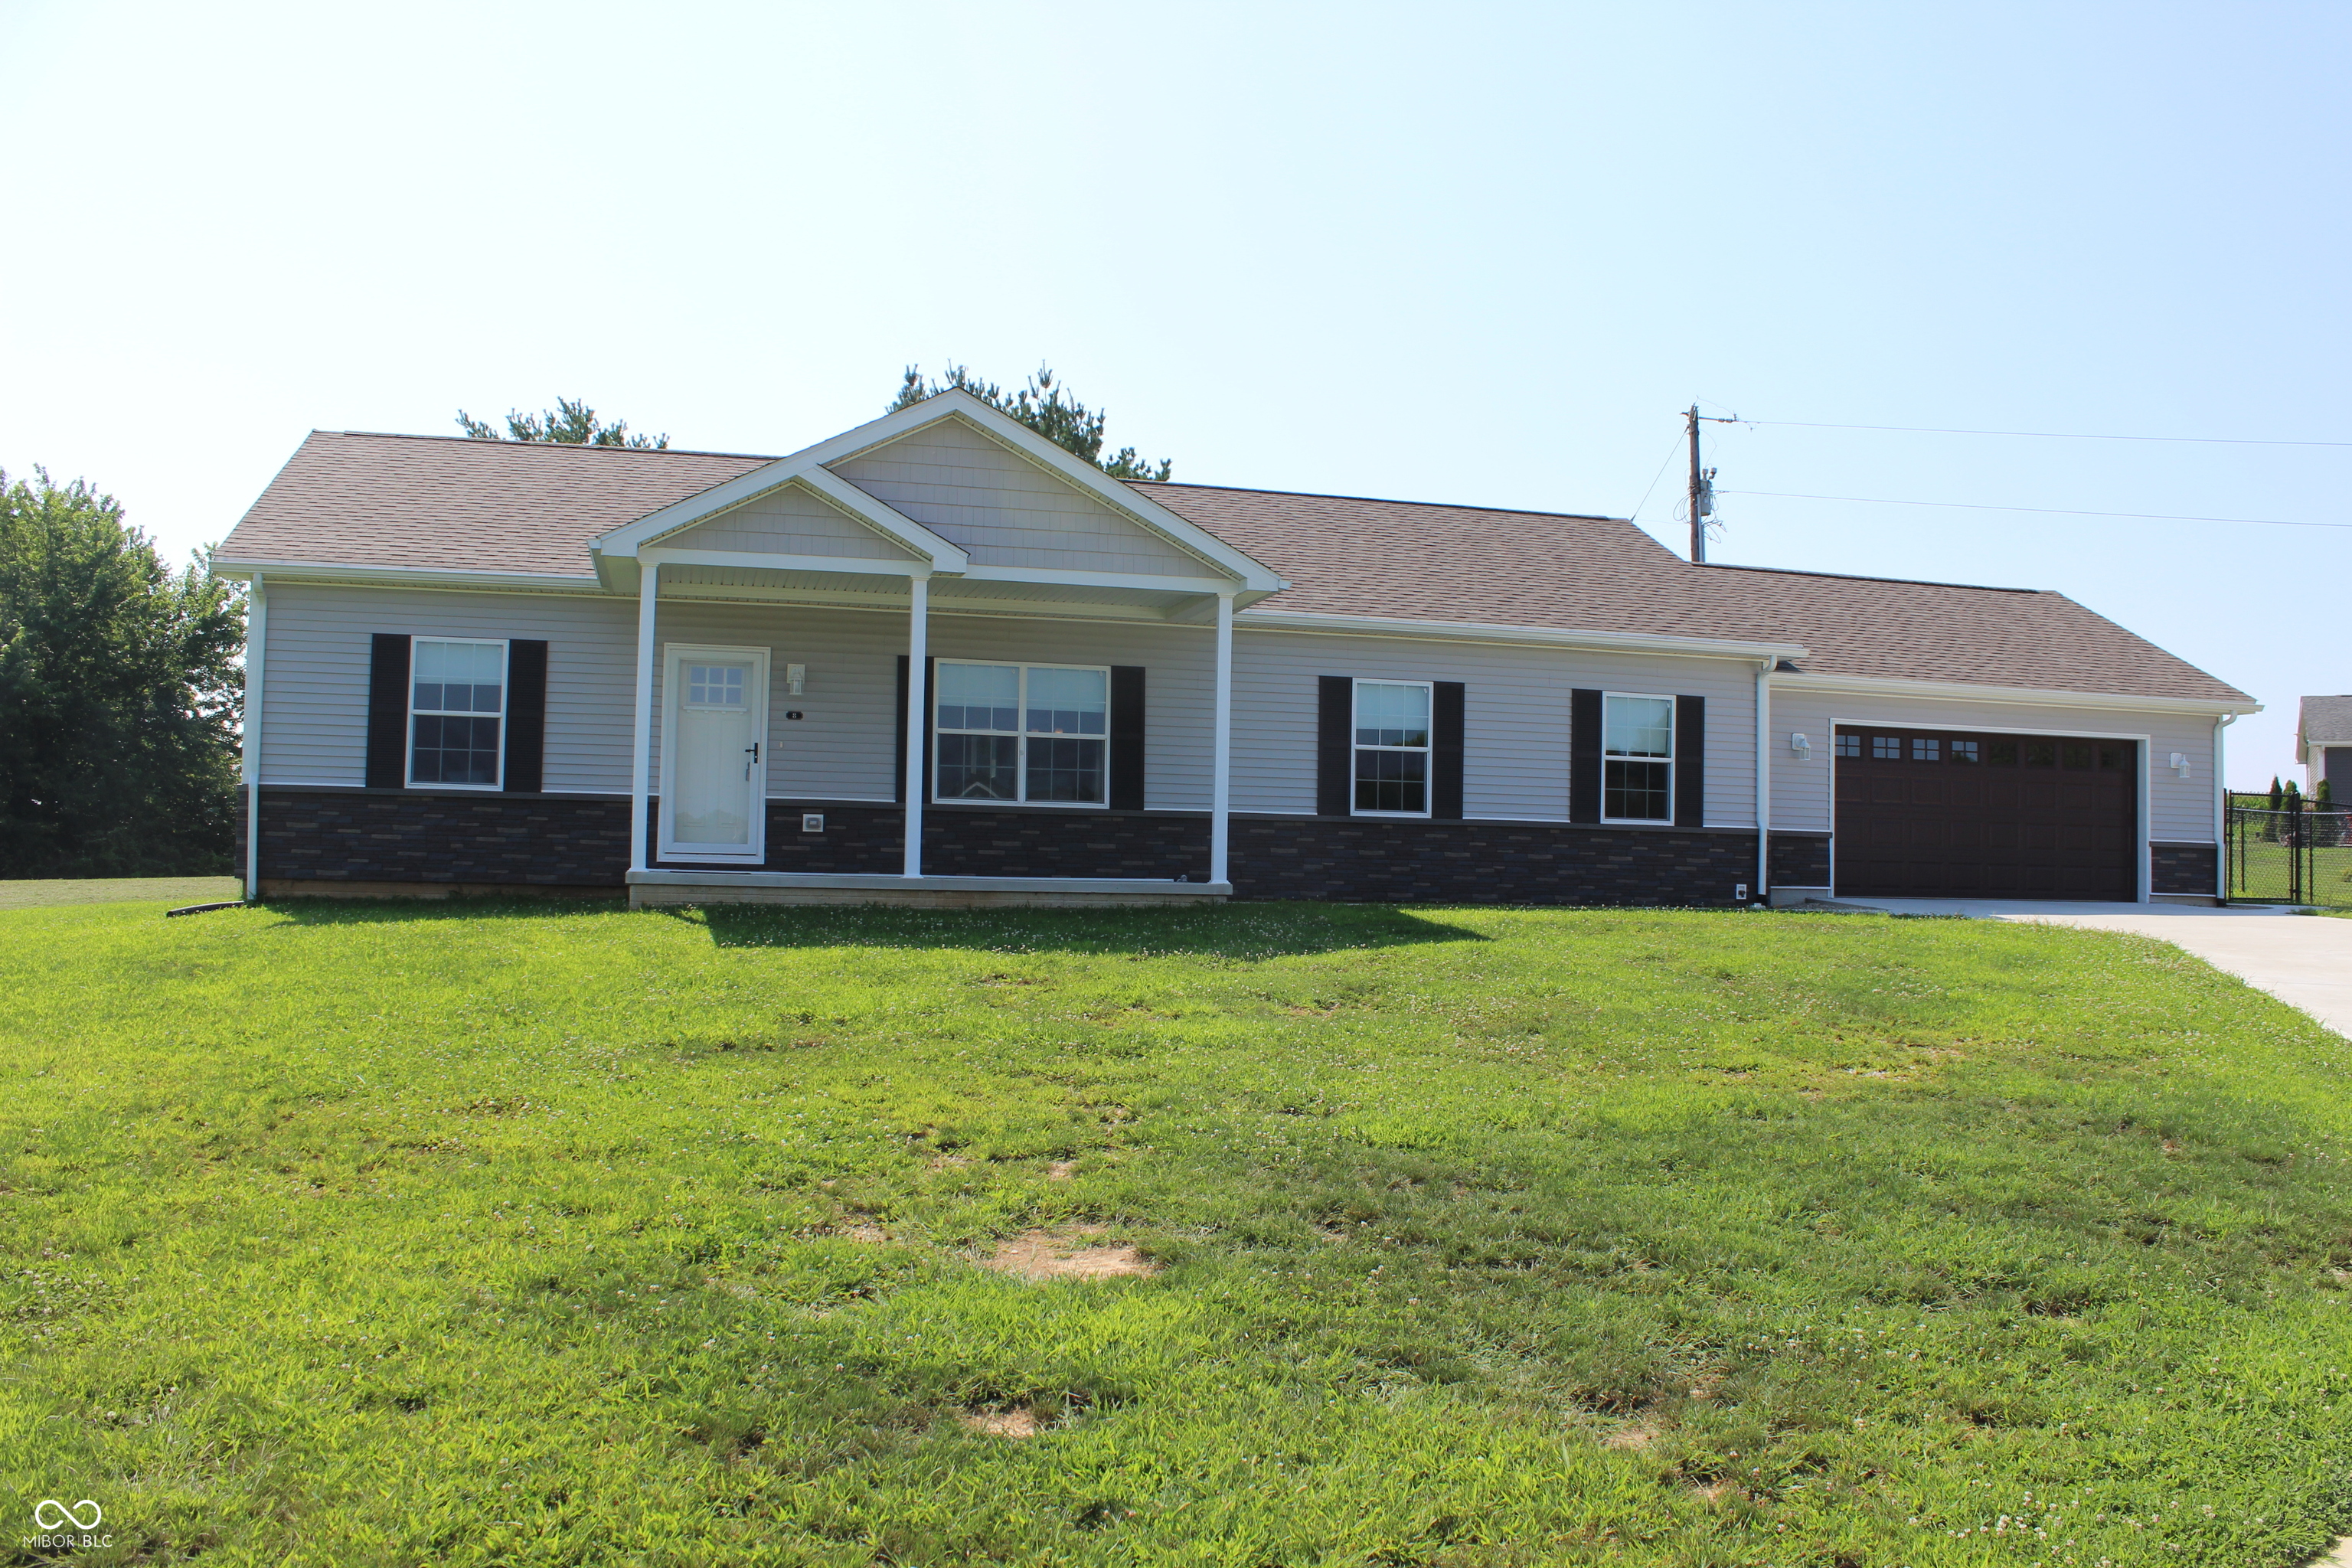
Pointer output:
121, 691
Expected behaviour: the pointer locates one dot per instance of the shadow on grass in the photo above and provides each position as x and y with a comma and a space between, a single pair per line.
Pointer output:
1229, 930
1226, 931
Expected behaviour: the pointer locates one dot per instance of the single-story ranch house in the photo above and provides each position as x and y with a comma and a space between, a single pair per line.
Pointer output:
938, 659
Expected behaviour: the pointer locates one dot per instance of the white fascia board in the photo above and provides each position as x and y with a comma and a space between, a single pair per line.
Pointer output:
2022, 696
1541, 637
407, 577
1019, 437
1096, 578
839, 565
886, 521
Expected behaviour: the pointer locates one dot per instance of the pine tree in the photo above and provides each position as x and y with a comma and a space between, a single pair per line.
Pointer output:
1046, 407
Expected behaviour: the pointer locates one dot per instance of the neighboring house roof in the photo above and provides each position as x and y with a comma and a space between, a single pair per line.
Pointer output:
434, 503
2324, 722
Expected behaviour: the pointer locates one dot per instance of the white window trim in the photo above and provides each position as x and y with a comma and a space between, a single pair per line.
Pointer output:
1429, 768
675, 656
1672, 759
506, 706
1023, 735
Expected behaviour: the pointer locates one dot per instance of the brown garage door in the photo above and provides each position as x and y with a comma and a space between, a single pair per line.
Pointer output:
1955, 813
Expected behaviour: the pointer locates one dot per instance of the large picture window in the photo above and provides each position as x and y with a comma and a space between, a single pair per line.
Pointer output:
1030, 732
1637, 758
456, 711
1393, 748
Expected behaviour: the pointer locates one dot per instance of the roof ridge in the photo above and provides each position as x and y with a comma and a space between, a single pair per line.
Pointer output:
1383, 501
560, 446
1866, 577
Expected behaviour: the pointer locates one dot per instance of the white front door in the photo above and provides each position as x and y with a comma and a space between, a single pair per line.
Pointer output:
714, 753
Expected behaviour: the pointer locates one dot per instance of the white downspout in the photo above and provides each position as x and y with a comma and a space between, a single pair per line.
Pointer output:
1763, 781
2221, 809
919, 697
256, 645
641, 759
1221, 768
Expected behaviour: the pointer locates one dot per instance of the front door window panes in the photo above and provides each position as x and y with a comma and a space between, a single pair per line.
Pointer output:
1393, 748
1021, 733
457, 707
1637, 751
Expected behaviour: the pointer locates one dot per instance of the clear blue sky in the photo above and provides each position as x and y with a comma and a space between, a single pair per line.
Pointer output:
1468, 253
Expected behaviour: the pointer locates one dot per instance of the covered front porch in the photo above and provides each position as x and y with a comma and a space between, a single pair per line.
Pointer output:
836, 703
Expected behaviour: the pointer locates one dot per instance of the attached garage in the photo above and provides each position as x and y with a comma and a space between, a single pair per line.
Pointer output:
1963, 814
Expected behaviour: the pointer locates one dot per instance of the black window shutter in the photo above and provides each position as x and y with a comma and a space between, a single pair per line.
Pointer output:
1690, 761
898, 751
526, 713
1335, 748
1583, 755
1127, 737
388, 723
1445, 752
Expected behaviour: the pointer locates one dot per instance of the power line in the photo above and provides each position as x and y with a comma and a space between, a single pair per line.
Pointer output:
2049, 435
2046, 510
1661, 474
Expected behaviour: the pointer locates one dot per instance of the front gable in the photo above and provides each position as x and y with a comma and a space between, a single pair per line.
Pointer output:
1006, 511
790, 520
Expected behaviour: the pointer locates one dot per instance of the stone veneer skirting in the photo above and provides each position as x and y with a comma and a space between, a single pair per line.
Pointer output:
1487, 862
2183, 869
386, 839
1801, 860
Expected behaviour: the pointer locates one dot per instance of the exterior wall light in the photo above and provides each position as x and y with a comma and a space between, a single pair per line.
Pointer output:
1801, 746
2180, 763
794, 673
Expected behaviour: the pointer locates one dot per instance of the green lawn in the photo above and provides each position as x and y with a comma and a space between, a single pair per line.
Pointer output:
352, 1232
177, 891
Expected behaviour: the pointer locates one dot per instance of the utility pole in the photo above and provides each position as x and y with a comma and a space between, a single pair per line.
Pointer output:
1697, 518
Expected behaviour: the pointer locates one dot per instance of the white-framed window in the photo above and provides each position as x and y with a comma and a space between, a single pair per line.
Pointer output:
1034, 733
1637, 757
457, 712
1392, 744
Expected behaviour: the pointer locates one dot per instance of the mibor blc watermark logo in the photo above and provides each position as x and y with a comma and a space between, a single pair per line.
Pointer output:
65, 1526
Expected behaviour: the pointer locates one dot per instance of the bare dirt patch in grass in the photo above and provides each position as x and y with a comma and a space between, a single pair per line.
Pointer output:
1061, 1170
1066, 1253
1017, 1422
1632, 1438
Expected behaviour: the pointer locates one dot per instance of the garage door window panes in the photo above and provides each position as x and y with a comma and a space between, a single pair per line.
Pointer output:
1637, 758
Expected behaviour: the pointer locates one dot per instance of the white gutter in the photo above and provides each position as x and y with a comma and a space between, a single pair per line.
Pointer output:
1481, 631
256, 643
1964, 692
410, 576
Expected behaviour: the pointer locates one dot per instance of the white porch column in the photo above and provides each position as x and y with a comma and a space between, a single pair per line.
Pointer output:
256, 649
1222, 776
1764, 780
919, 698
641, 761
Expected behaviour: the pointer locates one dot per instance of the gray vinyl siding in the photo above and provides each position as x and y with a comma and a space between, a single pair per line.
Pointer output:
2178, 811
315, 675
1514, 729
789, 522
1005, 510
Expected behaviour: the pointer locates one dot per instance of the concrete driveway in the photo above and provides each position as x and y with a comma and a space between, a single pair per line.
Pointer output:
2304, 961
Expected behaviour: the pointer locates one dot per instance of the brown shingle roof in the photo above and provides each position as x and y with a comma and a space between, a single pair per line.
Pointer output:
351, 499
1411, 560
